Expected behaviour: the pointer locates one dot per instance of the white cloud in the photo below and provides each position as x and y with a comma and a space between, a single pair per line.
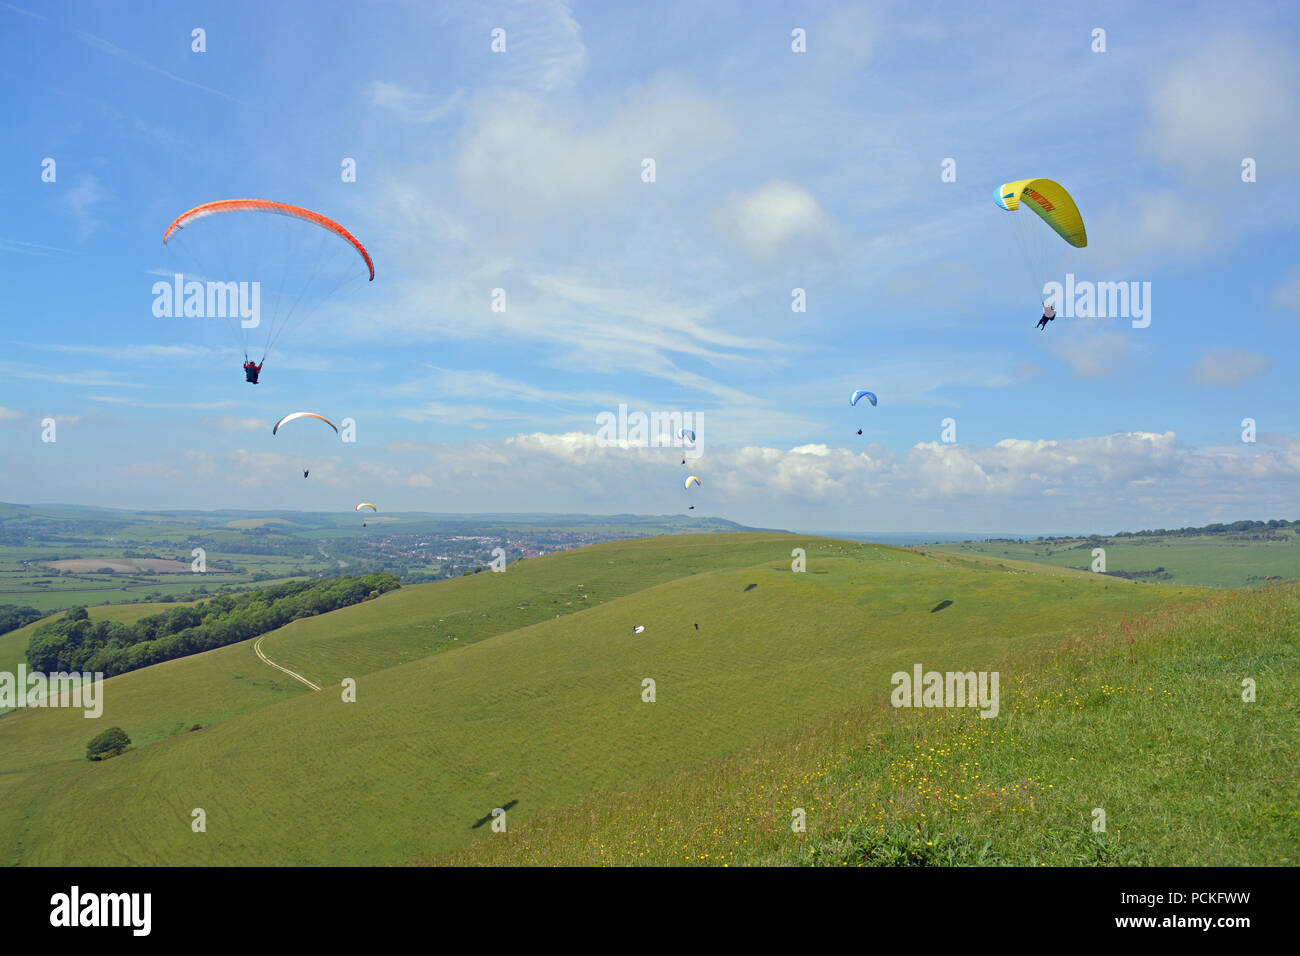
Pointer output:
770, 219
1132, 476
229, 423
1234, 97
536, 161
1093, 354
1226, 366
1287, 295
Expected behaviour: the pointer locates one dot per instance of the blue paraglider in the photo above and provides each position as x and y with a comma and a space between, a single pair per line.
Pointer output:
860, 394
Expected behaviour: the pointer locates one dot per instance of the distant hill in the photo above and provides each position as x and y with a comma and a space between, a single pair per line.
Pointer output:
53, 557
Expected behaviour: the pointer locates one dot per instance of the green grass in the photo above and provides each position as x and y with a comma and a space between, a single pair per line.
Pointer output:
1219, 560
535, 708
1145, 722
14, 643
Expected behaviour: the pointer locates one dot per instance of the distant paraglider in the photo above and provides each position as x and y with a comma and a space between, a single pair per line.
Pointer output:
294, 416
688, 436
366, 504
858, 396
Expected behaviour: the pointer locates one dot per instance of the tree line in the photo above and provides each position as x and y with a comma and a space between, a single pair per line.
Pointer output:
75, 643
13, 617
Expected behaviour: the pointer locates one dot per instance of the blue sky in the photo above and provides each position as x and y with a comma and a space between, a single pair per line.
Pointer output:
775, 170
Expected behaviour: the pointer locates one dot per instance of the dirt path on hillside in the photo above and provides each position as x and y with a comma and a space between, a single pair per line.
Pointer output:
257, 649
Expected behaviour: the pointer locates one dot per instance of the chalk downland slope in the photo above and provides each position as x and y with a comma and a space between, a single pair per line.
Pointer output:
523, 705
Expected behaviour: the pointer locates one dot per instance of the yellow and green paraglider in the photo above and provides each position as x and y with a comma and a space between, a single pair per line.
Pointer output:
1053, 211
366, 504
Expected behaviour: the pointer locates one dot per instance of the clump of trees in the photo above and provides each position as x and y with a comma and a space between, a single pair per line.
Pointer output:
1236, 527
108, 744
13, 617
76, 643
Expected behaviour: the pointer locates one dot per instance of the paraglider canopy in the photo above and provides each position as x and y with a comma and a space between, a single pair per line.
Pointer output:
1054, 211
263, 267
692, 478
366, 504
1050, 201
861, 394
293, 416
267, 205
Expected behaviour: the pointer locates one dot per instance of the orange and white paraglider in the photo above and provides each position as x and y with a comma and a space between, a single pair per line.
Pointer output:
261, 266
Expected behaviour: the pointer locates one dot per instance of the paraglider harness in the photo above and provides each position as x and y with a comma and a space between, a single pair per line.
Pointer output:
1042, 323
251, 371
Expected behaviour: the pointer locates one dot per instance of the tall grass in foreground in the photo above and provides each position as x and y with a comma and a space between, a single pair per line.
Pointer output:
1144, 722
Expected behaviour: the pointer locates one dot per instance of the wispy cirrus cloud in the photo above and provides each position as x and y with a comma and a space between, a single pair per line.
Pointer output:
113, 50
19, 10
411, 106
136, 403
92, 377
82, 198
28, 248
131, 353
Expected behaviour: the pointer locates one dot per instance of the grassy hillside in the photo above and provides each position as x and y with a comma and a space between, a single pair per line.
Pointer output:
545, 714
1214, 560
1144, 722
14, 643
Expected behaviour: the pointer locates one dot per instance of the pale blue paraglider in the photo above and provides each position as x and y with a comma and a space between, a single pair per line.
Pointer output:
859, 394
686, 433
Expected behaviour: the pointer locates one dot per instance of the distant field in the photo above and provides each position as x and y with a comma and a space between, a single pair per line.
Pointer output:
46, 578
517, 687
1219, 560
122, 564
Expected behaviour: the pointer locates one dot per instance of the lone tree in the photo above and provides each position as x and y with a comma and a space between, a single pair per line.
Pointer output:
108, 744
